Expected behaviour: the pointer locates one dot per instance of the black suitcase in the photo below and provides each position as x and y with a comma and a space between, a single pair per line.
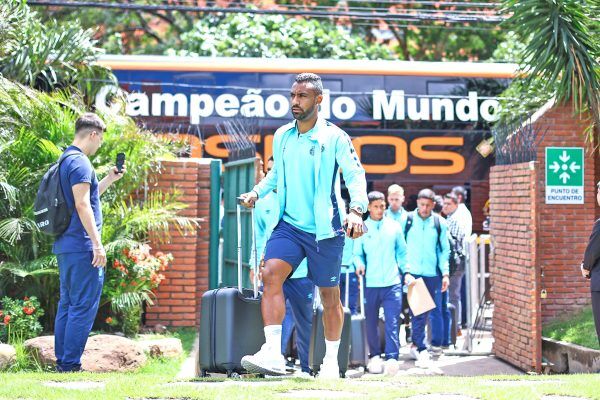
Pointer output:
316, 350
359, 346
230, 323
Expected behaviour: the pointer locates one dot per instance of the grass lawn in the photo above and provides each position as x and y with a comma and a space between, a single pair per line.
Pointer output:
578, 329
156, 381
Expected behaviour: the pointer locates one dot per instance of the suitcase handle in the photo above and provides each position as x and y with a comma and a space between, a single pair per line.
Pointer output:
253, 252
361, 292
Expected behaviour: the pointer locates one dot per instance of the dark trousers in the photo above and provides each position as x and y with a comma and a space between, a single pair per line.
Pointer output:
596, 312
299, 312
390, 298
80, 290
434, 285
351, 280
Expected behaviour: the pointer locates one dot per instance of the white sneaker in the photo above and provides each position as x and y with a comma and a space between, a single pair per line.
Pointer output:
265, 361
329, 370
375, 365
302, 375
435, 351
391, 367
423, 359
413, 353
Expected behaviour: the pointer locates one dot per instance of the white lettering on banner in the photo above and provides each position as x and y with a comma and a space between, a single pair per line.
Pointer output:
201, 105
169, 101
277, 105
396, 106
253, 104
338, 107
227, 105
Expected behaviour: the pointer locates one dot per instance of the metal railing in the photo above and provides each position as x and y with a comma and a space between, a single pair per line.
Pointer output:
477, 282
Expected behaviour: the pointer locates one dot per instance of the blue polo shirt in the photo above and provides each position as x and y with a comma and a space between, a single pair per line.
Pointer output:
73, 170
299, 173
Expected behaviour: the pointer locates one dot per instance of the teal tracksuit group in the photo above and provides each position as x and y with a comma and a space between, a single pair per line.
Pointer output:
382, 251
427, 258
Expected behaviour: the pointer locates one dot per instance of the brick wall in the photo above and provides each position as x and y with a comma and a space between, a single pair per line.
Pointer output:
564, 230
544, 255
514, 276
178, 296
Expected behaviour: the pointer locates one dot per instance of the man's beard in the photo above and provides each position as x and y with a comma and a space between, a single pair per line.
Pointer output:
304, 115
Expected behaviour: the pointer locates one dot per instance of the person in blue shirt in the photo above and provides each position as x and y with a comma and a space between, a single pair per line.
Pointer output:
297, 289
79, 251
395, 200
308, 153
380, 255
395, 211
427, 258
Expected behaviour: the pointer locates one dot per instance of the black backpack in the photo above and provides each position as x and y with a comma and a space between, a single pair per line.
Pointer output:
455, 259
50, 210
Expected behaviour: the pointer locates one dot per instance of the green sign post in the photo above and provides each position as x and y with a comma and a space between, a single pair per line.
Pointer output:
564, 175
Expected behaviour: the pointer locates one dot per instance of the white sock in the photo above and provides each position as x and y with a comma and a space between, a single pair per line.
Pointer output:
273, 336
331, 349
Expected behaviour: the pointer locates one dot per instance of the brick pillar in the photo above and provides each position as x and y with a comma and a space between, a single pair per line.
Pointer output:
178, 296
513, 265
538, 246
564, 229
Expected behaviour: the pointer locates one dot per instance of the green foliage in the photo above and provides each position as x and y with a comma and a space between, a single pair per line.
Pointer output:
562, 52
35, 128
48, 56
275, 36
132, 273
19, 319
578, 328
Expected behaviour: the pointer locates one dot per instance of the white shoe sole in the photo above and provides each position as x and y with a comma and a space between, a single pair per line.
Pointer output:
254, 368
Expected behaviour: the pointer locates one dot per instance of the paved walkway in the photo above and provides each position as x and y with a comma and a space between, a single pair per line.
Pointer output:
453, 363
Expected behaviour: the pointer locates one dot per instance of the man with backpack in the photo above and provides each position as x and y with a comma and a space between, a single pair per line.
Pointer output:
79, 251
426, 235
456, 234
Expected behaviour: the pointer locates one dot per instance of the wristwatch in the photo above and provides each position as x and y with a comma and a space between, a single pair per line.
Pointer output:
357, 210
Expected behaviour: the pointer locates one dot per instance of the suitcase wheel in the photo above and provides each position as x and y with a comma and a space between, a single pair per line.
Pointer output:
233, 375
204, 373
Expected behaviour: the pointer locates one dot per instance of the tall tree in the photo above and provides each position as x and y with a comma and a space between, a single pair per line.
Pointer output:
562, 52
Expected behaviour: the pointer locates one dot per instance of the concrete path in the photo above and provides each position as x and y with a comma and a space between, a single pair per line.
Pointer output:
482, 362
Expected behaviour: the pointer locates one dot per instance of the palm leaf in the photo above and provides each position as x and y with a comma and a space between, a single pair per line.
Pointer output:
562, 52
129, 300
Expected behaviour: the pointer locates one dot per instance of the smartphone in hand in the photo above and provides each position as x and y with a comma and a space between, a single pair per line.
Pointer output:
120, 162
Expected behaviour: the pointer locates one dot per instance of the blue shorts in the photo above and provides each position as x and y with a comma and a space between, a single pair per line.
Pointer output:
292, 245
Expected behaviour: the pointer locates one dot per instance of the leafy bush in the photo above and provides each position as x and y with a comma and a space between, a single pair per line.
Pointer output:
19, 319
132, 274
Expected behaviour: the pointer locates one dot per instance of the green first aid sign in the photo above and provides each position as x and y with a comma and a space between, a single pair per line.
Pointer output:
564, 175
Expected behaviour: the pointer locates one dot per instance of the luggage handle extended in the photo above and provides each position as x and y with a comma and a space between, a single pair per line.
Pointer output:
361, 292
253, 252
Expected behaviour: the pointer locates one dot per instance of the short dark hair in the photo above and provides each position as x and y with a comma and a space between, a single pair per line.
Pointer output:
311, 78
89, 121
438, 203
460, 191
374, 196
451, 196
426, 194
